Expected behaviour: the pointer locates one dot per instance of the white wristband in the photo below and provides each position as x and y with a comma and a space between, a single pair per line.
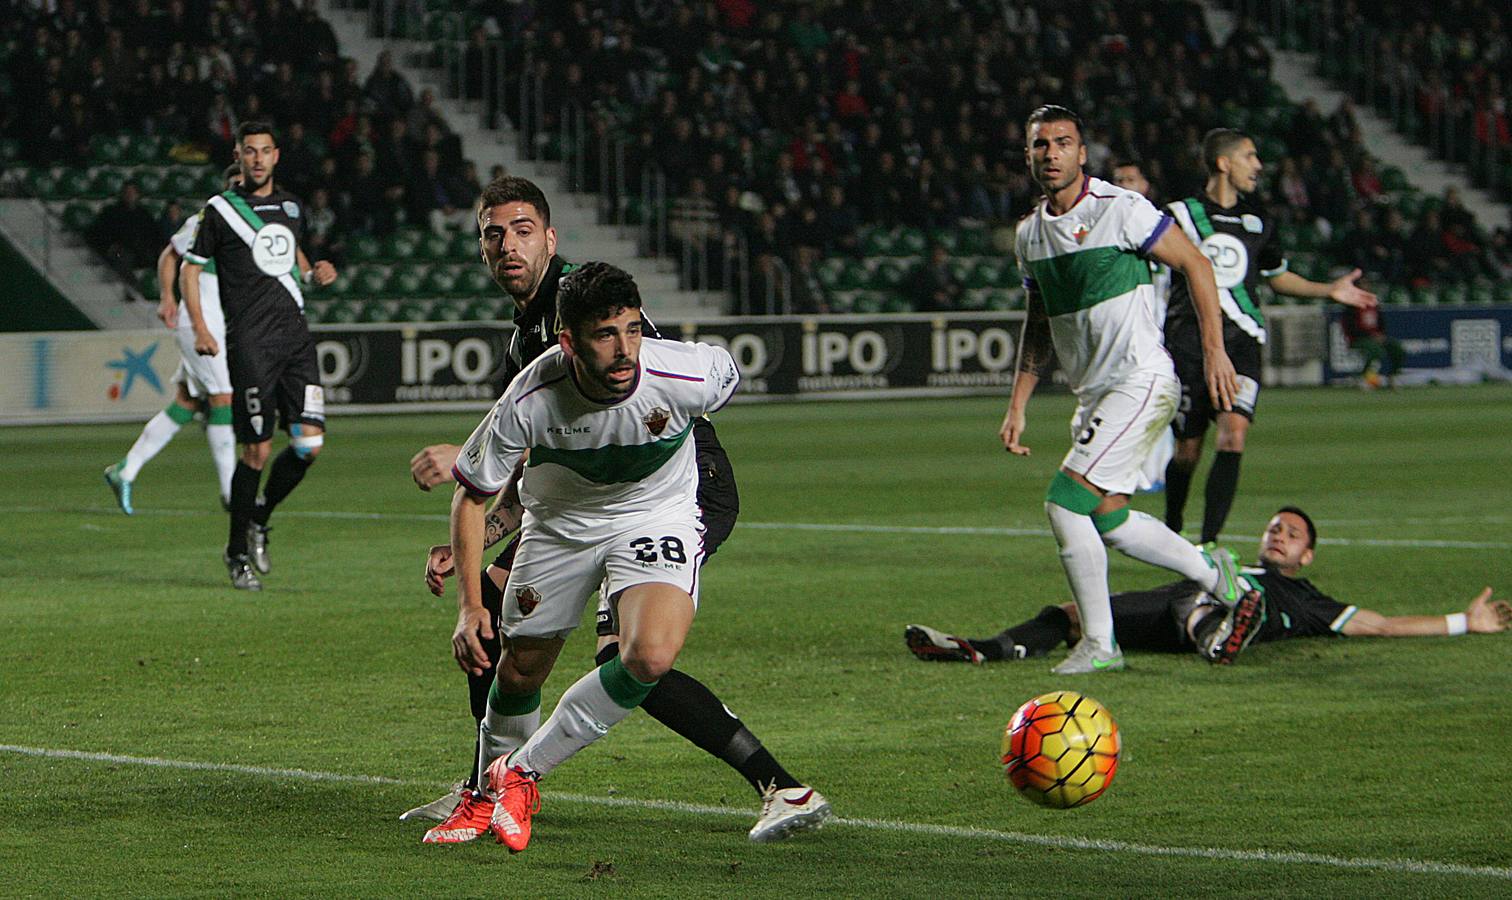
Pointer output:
307, 276
1457, 623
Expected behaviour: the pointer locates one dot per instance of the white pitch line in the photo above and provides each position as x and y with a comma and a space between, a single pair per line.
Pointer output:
836, 527
1059, 842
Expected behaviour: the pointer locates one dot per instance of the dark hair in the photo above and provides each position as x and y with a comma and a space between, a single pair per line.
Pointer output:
1220, 142
1134, 161
1052, 113
513, 189
247, 128
230, 172
1312, 530
593, 292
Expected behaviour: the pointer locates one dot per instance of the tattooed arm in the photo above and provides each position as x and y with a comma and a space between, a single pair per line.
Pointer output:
1036, 352
501, 520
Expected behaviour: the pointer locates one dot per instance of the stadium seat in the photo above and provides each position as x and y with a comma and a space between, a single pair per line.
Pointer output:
911, 242
947, 238
399, 246
879, 242
896, 303
150, 180
434, 247
106, 181
975, 242
1396, 295
842, 301
411, 311
1454, 294
887, 275
868, 302
180, 182
440, 281
1481, 292
143, 149
341, 311
341, 287
448, 311
1424, 295
854, 275
475, 281
73, 184
828, 272
365, 248
406, 281
369, 282
78, 216
464, 246
107, 149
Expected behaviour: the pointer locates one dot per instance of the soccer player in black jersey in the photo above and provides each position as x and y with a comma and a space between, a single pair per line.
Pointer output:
1180, 617
1235, 234
519, 247
252, 233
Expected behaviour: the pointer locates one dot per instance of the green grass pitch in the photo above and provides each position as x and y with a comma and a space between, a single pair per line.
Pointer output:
1346, 768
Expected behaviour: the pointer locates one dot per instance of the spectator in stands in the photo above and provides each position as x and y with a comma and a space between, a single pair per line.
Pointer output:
932, 286
125, 233
1427, 259
387, 89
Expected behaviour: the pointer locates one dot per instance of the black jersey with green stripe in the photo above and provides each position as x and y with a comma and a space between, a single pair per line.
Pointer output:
1239, 240
252, 240
1294, 607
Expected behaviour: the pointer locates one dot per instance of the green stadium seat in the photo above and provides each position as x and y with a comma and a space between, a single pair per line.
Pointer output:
180, 182
475, 282
399, 246
210, 183
1424, 295
1482, 292
107, 149
1504, 292
842, 301
73, 184
151, 182
911, 242
106, 181
868, 302
78, 216
989, 272
439, 281
887, 275
1454, 293
341, 311
1396, 295
854, 275
949, 239
365, 248
377, 311
896, 303
369, 282
143, 149
879, 242
481, 310
828, 272
341, 287
434, 247
448, 311
411, 311
406, 280
975, 242
464, 246
962, 270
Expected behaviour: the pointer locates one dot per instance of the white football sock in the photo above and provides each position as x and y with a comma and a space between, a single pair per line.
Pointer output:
223, 451
500, 735
156, 434
1147, 539
585, 713
1086, 564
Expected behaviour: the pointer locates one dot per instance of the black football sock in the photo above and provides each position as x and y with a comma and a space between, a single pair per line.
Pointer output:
685, 705
243, 501
1178, 482
1037, 636
287, 472
1222, 485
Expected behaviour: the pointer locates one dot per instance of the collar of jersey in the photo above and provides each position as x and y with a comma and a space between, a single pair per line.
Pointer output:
634, 386
1086, 189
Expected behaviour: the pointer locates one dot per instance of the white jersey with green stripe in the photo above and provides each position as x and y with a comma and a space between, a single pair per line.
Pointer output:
593, 466
1089, 266
181, 241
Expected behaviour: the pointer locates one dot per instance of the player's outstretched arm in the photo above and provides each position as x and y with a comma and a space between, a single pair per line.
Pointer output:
433, 465
1482, 616
204, 342
1036, 351
1176, 250
1341, 290
167, 272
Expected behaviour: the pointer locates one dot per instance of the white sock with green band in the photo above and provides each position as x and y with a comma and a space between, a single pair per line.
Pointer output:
507, 724
223, 451
156, 434
588, 709
1147, 539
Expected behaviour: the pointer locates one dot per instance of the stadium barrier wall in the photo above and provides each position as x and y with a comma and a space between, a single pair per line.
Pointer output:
59, 377
1443, 344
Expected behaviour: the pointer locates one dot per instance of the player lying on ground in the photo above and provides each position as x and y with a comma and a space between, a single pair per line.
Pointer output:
203, 381
519, 247
1181, 617
610, 499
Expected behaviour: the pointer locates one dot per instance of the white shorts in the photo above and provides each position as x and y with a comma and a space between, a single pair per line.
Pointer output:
203, 376
553, 578
1113, 433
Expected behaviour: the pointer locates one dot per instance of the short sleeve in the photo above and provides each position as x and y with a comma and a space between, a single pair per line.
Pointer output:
183, 239
1141, 224
722, 378
206, 240
489, 456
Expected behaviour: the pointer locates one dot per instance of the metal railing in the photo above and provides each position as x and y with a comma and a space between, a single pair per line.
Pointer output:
1366, 62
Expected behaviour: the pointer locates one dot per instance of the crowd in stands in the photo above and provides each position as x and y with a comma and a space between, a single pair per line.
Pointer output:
366, 152
798, 123
791, 128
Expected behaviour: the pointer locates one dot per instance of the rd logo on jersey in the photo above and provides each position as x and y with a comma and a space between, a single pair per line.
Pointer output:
527, 599
1229, 257
273, 249
656, 421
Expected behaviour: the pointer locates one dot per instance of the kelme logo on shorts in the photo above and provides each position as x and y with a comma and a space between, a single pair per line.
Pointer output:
527, 599
656, 421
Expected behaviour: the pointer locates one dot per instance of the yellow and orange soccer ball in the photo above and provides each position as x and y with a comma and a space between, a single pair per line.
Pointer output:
1061, 750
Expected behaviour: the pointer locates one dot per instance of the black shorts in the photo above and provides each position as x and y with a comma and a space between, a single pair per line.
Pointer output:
718, 498
1155, 619
281, 380
1197, 410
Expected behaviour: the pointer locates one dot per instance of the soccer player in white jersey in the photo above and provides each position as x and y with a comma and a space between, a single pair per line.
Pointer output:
1090, 305
200, 379
602, 423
